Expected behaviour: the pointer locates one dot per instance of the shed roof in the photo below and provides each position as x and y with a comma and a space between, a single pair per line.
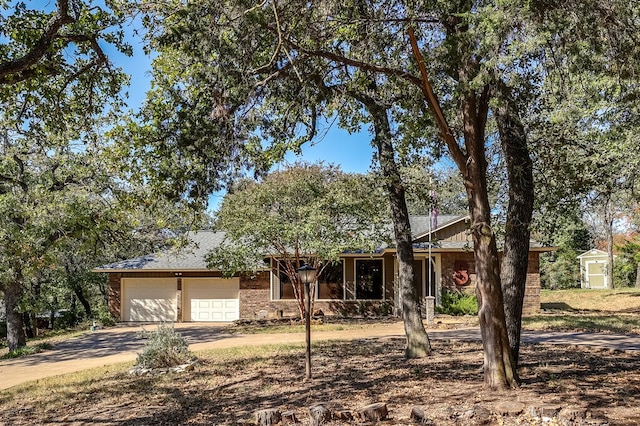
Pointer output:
593, 253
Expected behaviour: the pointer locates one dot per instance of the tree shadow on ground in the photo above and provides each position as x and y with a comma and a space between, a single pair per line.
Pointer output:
557, 306
229, 390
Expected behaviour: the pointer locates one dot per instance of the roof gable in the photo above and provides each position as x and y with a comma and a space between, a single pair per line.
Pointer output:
442, 228
593, 253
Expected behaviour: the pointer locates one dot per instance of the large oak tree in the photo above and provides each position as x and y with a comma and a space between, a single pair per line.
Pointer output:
243, 78
56, 88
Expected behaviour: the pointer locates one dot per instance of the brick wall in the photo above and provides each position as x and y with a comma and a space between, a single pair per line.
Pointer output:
448, 263
254, 293
531, 304
115, 296
255, 297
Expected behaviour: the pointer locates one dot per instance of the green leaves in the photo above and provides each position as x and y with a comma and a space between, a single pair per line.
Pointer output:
301, 211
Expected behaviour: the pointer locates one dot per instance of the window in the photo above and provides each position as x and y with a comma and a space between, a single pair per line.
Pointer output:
283, 284
369, 280
330, 282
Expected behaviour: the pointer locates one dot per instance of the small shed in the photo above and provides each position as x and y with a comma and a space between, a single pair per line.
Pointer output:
593, 269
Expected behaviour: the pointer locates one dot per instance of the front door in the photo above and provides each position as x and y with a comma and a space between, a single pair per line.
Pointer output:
596, 274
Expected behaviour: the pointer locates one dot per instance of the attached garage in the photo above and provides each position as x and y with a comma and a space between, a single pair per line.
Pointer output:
149, 299
210, 299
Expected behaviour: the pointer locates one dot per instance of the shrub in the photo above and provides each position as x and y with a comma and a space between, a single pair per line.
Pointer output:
104, 317
67, 320
164, 348
383, 309
624, 273
28, 350
457, 303
560, 271
362, 308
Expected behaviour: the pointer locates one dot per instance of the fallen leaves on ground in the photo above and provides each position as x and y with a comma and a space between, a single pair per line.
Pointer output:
229, 391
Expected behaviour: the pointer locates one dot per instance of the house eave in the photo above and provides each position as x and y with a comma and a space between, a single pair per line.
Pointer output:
170, 270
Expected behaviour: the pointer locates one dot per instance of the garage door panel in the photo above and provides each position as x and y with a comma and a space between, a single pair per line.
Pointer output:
149, 299
152, 310
211, 299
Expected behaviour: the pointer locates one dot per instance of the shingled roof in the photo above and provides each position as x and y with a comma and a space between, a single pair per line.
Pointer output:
192, 257
420, 226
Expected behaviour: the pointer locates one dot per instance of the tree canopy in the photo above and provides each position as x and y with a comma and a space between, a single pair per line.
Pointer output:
517, 92
302, 214
59, 188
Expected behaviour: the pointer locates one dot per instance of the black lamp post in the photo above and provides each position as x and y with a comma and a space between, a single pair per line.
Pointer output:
307, 276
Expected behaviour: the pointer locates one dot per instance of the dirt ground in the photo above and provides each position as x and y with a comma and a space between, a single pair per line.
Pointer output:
602, 385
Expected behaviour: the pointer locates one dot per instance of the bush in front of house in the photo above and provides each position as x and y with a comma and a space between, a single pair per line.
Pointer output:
457, 303
104, 318
165, 348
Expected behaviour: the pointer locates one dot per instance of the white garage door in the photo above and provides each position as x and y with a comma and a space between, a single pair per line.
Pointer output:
211, 299
149, 299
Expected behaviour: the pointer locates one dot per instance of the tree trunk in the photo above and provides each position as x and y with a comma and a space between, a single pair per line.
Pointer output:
77, 289
499, 366
52, 318
418, 344
15, 327
28, 321
515, 257
638, 275
610, 248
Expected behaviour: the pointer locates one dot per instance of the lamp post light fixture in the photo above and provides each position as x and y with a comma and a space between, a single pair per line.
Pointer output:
307, 276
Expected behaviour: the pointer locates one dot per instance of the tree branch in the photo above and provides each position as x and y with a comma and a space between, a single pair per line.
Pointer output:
13, 181
394, 72
445, 131
40, 48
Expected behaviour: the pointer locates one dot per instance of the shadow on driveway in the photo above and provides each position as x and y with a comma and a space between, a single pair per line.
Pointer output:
118, 340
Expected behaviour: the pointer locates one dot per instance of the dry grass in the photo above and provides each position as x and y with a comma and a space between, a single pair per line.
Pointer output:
612, 311
626, 300
229, 385
46, 338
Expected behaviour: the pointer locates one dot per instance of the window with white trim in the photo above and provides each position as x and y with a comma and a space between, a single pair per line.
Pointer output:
330, 282
369, 279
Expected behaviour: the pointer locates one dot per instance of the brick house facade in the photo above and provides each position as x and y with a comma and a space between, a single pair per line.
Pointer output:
171, 287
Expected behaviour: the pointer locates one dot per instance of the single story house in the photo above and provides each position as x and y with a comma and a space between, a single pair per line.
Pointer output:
178, 286
593, 269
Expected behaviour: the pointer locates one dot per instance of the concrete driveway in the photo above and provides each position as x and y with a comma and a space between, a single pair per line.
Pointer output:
121, 344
